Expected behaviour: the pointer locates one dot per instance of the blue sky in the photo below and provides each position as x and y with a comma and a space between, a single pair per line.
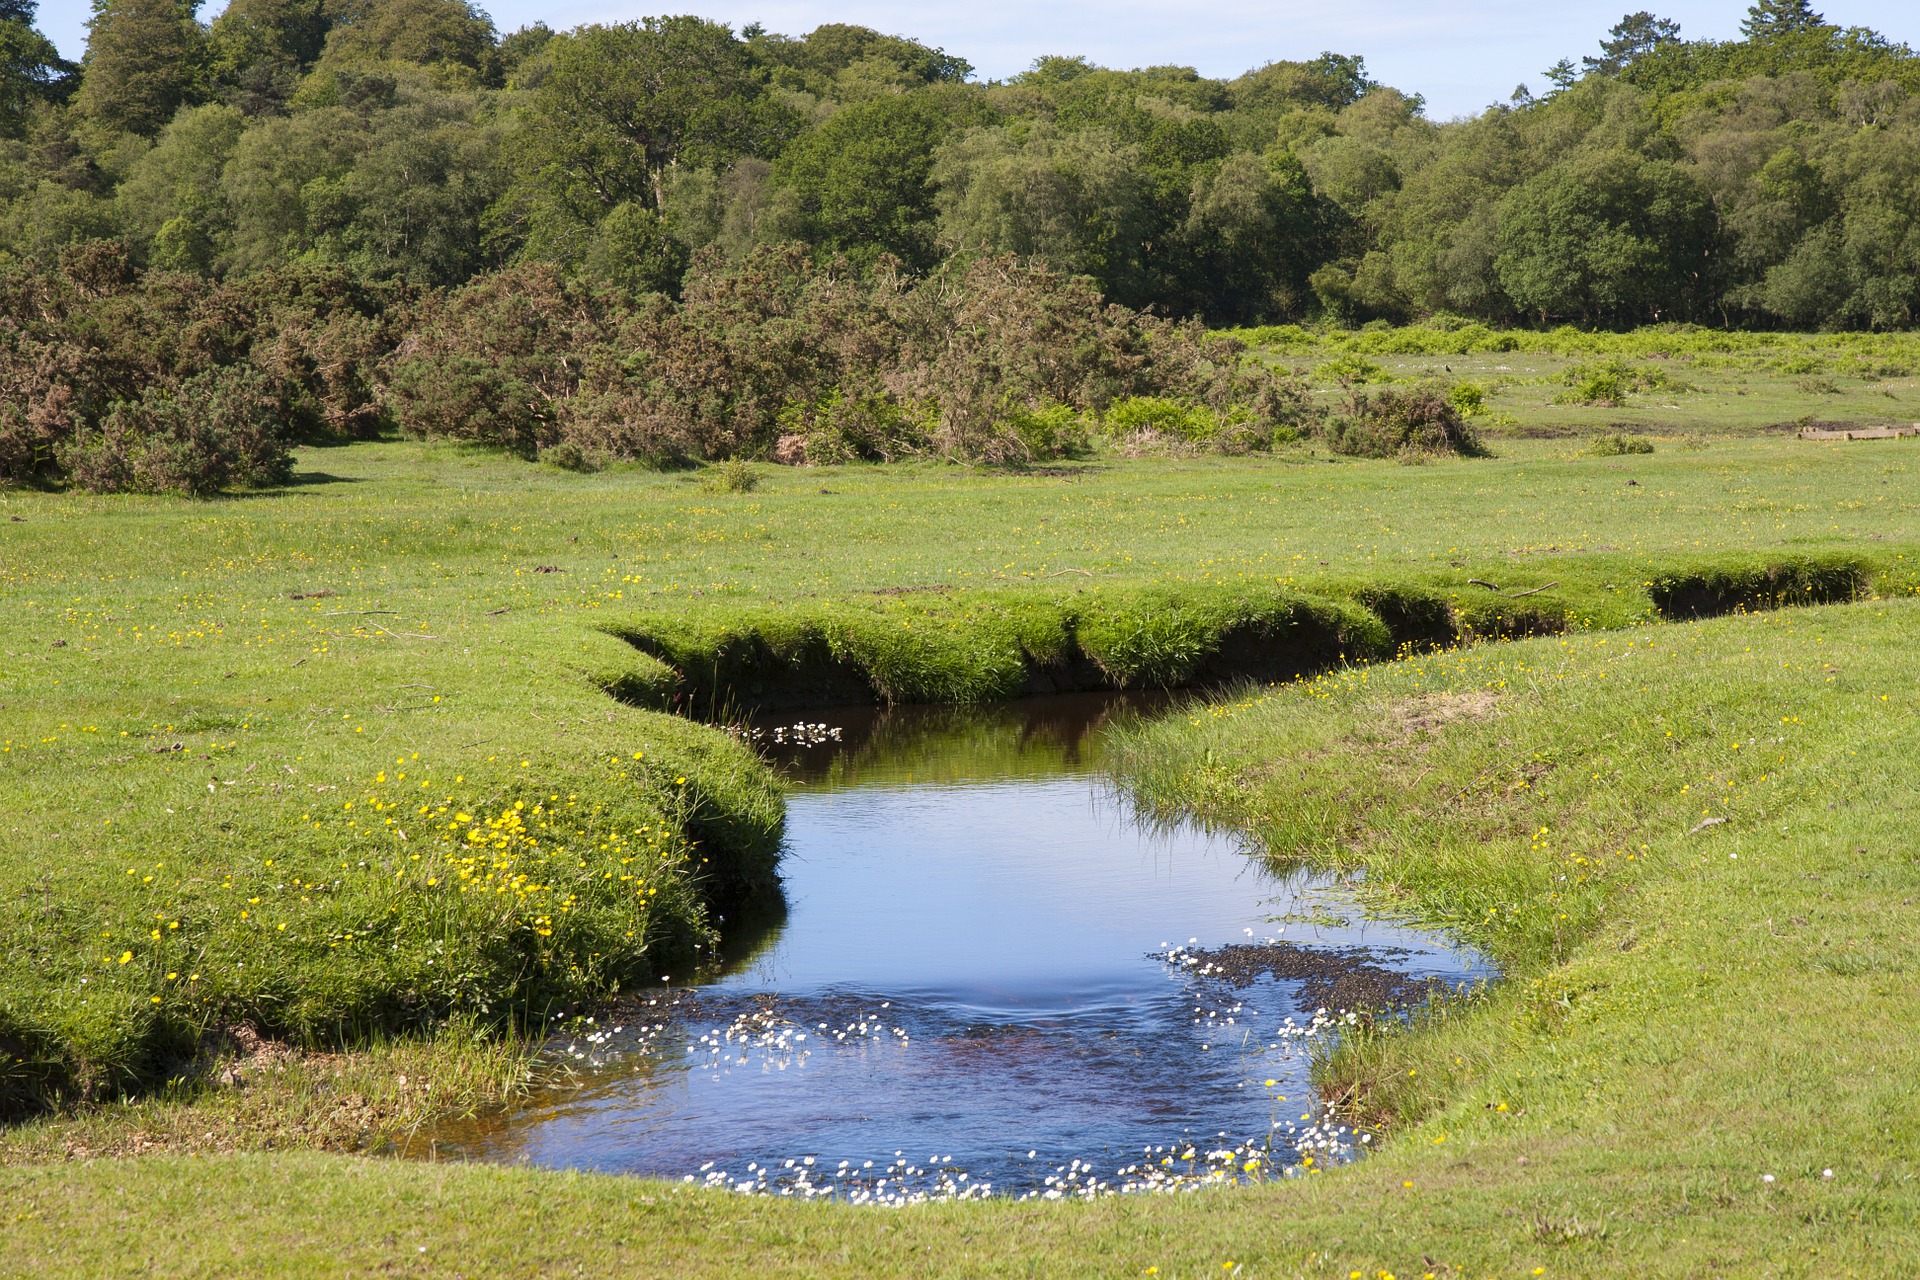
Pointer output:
1461, 54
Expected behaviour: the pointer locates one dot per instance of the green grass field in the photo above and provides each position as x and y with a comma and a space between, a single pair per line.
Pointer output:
1681, 385
1687, 1011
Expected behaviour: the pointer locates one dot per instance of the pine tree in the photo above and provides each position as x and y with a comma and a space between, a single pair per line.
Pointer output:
143, 63
1632, 36
1769, 19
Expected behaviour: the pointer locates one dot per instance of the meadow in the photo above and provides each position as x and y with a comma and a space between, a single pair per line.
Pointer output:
1680, 382
342, 788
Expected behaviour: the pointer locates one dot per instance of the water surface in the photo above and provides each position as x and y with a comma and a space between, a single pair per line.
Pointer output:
987, 976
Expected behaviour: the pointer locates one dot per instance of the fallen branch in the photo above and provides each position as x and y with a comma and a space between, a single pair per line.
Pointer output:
1085, 573
357, 613
1704, 823
1511, 595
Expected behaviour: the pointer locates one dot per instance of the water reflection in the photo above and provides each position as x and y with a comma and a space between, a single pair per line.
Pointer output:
985, 958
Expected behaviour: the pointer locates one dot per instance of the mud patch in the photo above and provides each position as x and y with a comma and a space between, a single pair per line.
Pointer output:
1411, 718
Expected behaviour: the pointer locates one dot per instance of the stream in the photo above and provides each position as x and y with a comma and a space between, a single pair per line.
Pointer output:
991, 977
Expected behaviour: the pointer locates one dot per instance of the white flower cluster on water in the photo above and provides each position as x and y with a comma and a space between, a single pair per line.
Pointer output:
1166, 1169
801, 733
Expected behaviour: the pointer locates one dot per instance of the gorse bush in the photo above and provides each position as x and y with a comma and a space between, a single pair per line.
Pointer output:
492, 362
116, 379
213, 431
1410, 422
997, 361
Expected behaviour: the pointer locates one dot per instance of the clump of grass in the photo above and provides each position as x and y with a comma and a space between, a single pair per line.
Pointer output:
1616, 444
242, 1091
732, 476
1608, 383
568, 456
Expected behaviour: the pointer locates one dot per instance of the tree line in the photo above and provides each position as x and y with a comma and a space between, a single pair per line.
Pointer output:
1766, 181
665, 241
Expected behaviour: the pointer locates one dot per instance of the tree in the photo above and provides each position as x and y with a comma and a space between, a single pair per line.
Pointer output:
1562, 74
1080, 201
1771, 19
171, 206
257, 49
617, 106
31, 69
450, 36
1606, 238
836, 57
1629, 38
861, 182
632, 251
144, 62
1256, 230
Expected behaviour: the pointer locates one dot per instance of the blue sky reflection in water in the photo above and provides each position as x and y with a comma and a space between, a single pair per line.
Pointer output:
967, 970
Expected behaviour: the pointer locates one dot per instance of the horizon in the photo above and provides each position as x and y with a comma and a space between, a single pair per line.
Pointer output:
1441, 52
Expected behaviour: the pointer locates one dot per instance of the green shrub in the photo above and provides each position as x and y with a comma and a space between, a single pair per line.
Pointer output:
1617, 444
735, 475
1608, 383
1050, 431
215, 430
1411, 423
874, 426
1352, 371
1240, 428
1160, 416
568, 456
1469, 399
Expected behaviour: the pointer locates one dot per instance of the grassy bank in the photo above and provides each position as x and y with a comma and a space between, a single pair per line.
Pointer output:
340, 760
1660, 1088
985, 645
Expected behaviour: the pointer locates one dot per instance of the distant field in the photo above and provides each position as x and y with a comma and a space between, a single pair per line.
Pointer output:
438, 613
1682, 384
